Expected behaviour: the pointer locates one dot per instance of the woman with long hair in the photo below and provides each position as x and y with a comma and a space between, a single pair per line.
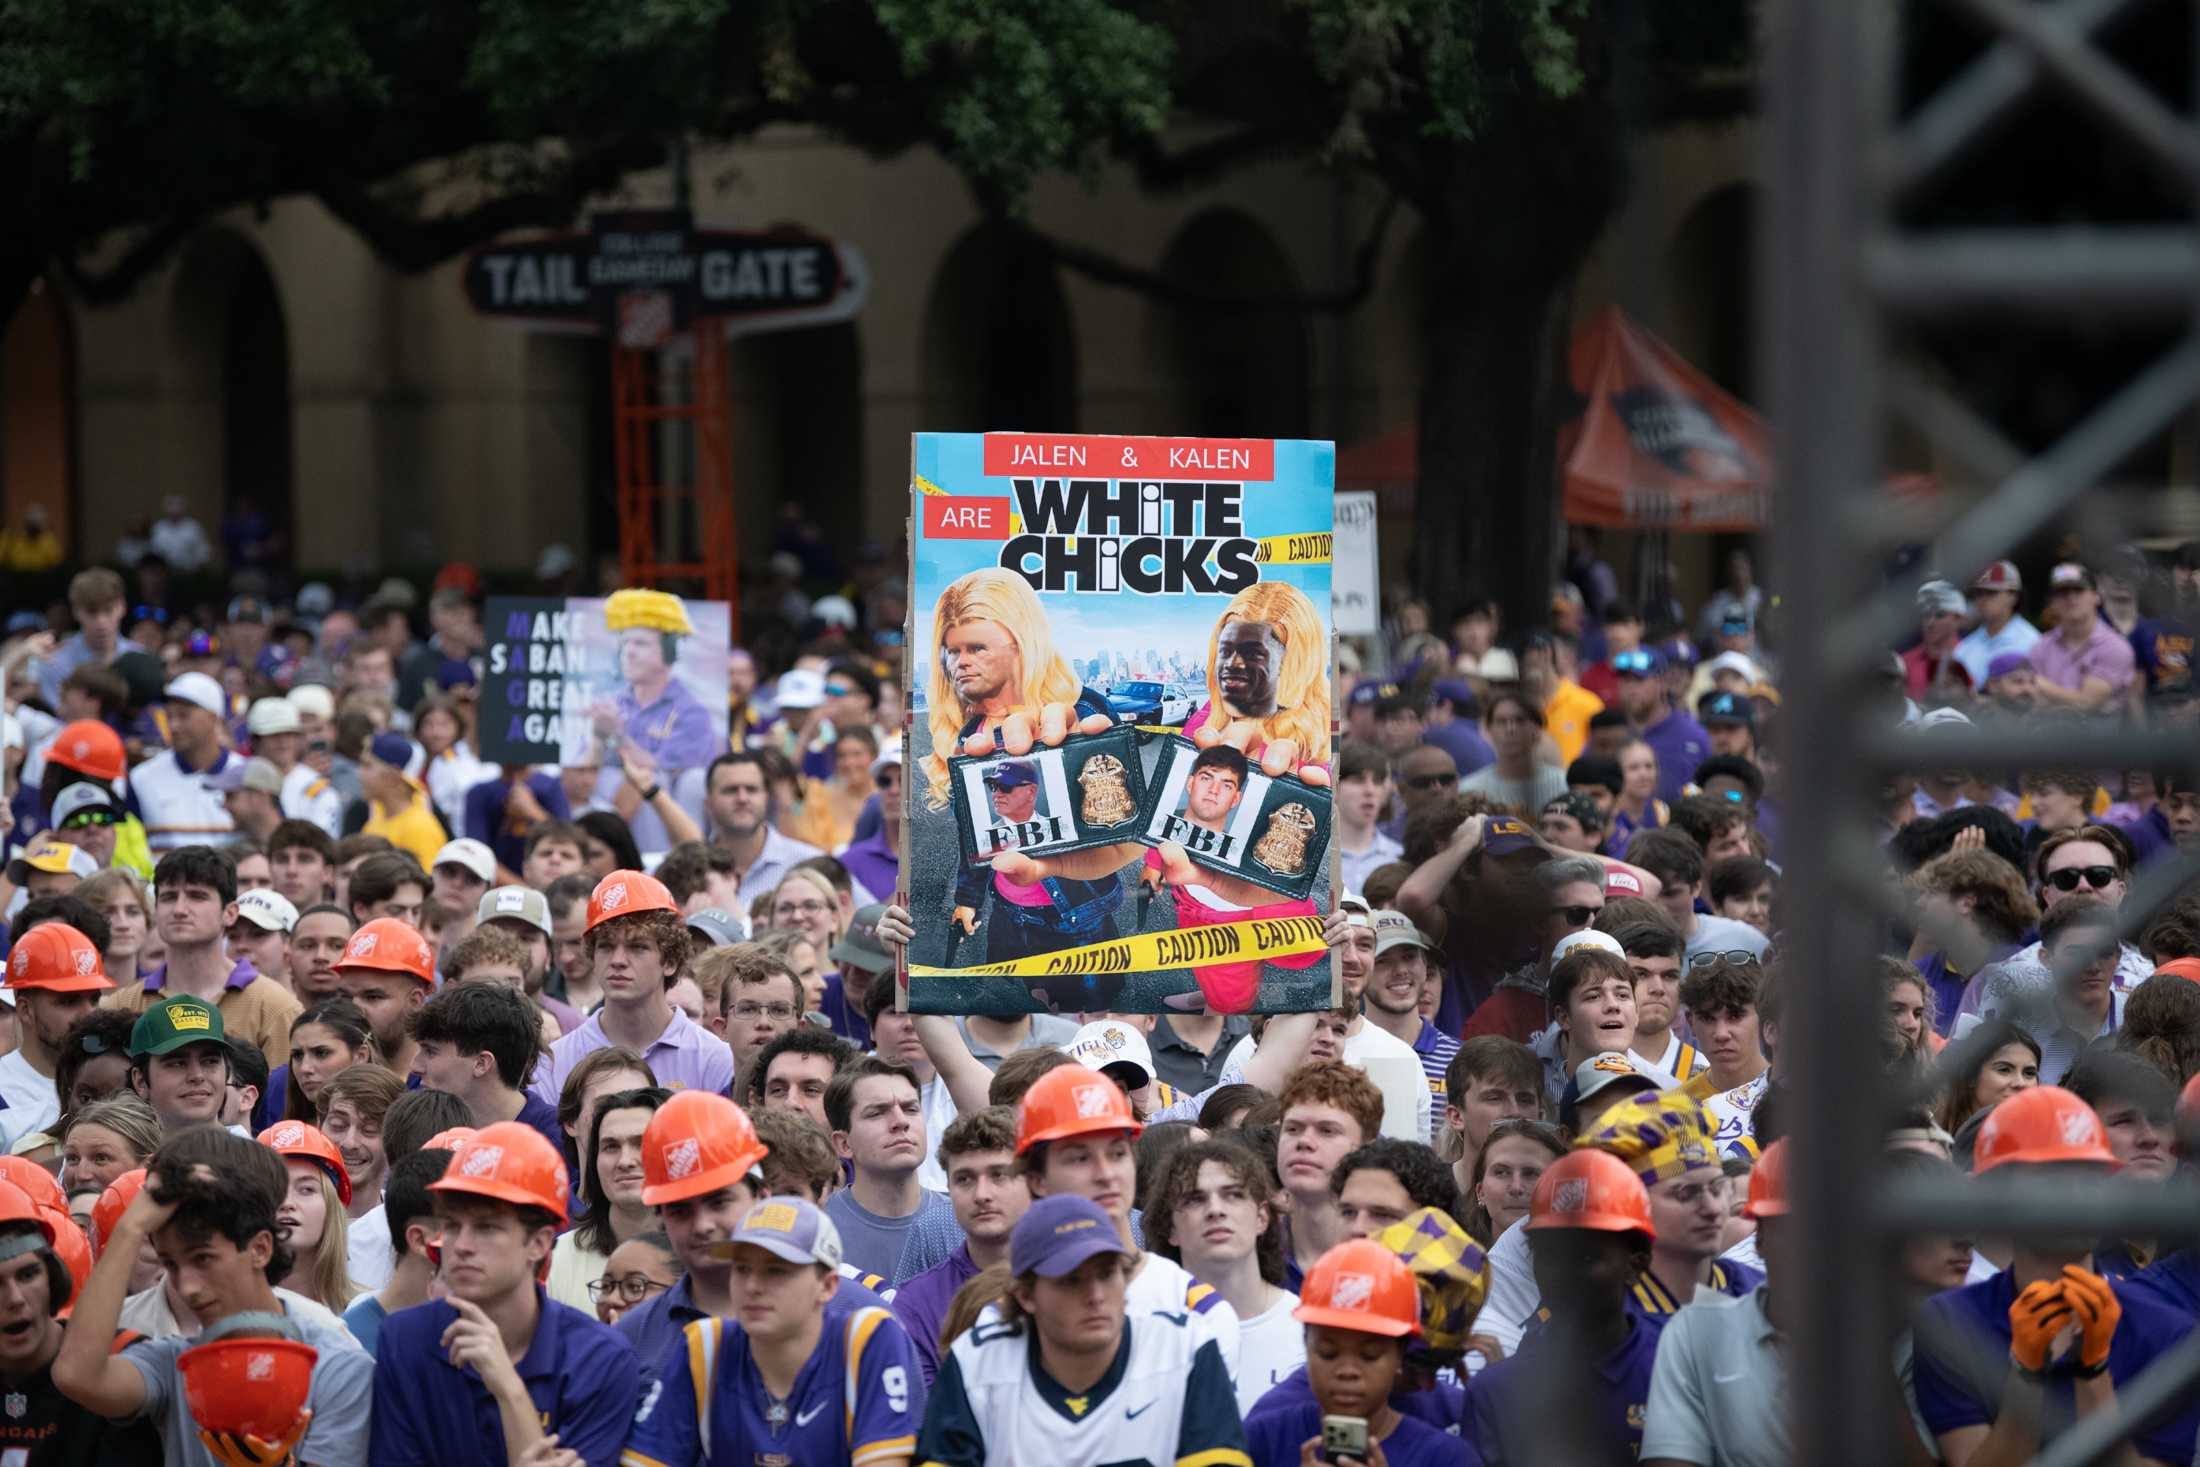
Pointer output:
611, 1180
118, 895
105, 1139
803, 958
606, 838
991, 658
603, 1072
1910, 1014
2003, 1060
804, 902
325, 1041
443, 727
311, 1220
1506, 1170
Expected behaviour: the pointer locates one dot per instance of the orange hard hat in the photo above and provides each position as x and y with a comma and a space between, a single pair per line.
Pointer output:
623, 893
2043, 1124
449, 1140
1070, 1100
1363, 1286
1592, 1190
508, 1162
696, 1143
248, 1384
307, 1143
1768, 1183
16, 1205
113, 1202
72, 1248
387, 945
57, 958
36, 1181
89, 746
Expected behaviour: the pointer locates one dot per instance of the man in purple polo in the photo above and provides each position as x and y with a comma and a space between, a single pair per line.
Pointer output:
2084, 665
978, 1153
875, 861
1678, 740
638, 941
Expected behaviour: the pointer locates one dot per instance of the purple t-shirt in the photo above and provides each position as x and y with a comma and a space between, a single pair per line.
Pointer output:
2105, 655
1680, 744
683, 1056
921, 1305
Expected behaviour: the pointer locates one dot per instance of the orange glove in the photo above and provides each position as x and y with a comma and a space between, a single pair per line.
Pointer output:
2097, 1310
237, 1449
2037, 1316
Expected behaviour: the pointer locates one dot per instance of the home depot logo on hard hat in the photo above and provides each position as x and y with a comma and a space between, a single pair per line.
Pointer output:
86, 961
683, 1157
364, 944
259, 1367
1572, 1195
1352, 1291
2078, 1127
289, 1133
614, 897
1092, 1100
481, 1161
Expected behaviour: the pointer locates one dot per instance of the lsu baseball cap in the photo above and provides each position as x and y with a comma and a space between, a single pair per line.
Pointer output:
1367, 695
199, 690
1600, 1072
1012, 774
1505, 834
1396, 930
791, 1228
313, 699
1588, 937
522, 904
174, 1022
53, 858
470, 855
1112, 1046
1056, 1234
267, 909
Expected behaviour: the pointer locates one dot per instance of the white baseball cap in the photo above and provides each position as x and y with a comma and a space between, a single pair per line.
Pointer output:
1105, 1043
1603, 942
273, 716
470, 854
314, 699
1735, 662
801, 688
267, 909
201, 691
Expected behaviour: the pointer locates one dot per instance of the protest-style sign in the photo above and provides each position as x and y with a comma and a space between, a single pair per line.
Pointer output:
570, 681
1356, 577
1121, 724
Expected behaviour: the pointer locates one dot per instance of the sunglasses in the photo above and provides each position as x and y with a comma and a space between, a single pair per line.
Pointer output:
84, 818
95, 1044
1578, 916
158, 615
1432, 781
1731, 955
1634, 663
2067, 879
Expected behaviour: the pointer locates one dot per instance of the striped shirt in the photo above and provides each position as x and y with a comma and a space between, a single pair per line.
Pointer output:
1652, 1297
1435, 1048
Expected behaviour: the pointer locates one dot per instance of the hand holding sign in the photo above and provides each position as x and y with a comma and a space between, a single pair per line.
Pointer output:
1016, 735
1279, 757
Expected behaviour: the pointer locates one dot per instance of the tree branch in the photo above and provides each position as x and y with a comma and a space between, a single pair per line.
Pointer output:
105, 287
1107, 270
1164, 172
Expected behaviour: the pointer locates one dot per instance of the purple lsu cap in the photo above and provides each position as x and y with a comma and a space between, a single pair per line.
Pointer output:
1506, 833
2005, 664
792, 1228
1057, 1234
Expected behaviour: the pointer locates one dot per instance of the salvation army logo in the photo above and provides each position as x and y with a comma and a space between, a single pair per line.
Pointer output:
481, 1161
289, 1133
1571, 1195
364, 944
682, 1158
1352, 1291
614, 897
1092, 1100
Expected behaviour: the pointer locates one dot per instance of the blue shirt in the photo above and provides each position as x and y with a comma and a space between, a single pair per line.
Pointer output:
485, 816
364, 1320
583, 1379
651, 1326
921, 1305
915, 1243
1950, 1396
1680, 744
858, 1398
2173, 1281
1502, 1413
1274, 1438
846, 1017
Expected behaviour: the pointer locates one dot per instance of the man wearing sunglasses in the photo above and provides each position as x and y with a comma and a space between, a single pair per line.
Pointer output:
1427, 776
1678, 740
86, 816
2093, 861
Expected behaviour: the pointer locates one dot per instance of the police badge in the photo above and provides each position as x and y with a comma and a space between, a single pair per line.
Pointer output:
1107, 799
1282, 847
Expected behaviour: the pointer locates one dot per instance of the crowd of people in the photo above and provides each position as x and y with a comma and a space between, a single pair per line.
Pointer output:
363, 1101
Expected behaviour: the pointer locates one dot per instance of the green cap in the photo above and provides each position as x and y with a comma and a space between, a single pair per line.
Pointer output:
174, 1022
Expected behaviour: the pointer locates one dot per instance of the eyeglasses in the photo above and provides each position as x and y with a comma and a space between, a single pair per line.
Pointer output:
1695, 1192
1730, 955
84, 818
1432, 781
155, 614
1577, 916
800, 909
2067, 879
754, 1011
632, 1289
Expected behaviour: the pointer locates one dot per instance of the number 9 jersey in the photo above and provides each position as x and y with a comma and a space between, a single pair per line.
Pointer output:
858, 1400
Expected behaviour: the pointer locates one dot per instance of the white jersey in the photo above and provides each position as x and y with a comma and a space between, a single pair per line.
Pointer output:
311, 795
1166, 1400
1273, 1344
32, 1102
450, 775
181, 807
1165, 1288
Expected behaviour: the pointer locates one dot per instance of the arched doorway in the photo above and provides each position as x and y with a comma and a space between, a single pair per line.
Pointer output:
1711, 282
1236, 373
797, 432
38, 418
232, 350
1000, 351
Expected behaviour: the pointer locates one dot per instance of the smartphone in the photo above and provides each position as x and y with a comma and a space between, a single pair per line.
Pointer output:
610, 750
1344, 1436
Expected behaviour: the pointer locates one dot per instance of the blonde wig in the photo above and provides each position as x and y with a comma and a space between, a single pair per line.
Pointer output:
1302, 683
1043, 675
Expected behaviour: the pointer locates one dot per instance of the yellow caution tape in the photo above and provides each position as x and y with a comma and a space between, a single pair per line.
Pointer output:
1188, 947
1294, 549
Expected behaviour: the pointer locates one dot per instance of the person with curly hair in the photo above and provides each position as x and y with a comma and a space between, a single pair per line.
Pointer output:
1972, 911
